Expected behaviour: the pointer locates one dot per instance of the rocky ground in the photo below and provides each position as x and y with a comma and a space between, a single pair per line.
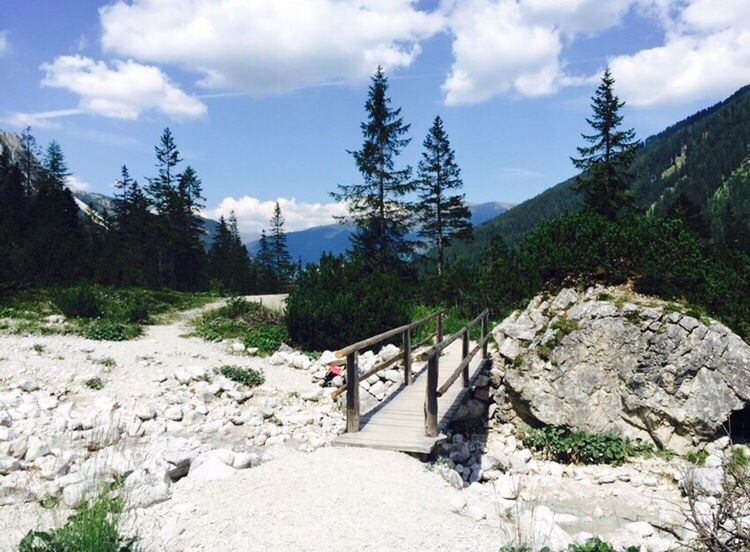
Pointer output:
205, 464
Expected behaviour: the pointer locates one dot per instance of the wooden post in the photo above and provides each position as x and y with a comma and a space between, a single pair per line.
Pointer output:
440, 327
431, 400
407, 357
352, 393
485, 333
464, 354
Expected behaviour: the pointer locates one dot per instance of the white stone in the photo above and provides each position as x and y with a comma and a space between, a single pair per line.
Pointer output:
212, 469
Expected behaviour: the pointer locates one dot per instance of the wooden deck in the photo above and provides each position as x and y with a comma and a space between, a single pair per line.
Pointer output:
398, 423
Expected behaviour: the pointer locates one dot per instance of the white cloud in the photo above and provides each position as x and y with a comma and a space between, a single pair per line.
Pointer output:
4, 46
40, 119
706, 55
509, 46
123, 91
253, 214
264, 47
76, 184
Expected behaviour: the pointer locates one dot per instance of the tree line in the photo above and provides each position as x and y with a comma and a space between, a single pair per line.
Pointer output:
152, 237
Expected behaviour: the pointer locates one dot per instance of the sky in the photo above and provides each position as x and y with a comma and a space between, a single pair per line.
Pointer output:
265, 97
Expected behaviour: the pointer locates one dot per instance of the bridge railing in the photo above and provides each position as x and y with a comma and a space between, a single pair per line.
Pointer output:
433, 368
351, 353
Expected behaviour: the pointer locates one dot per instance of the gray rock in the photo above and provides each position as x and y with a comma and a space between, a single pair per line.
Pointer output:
8, 464
636, 371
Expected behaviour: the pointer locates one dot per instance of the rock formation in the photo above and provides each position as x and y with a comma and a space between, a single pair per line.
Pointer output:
611, 361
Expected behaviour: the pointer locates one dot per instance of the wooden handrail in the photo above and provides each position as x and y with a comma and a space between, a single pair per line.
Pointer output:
370, 341
445, 343
461, 367
432, 392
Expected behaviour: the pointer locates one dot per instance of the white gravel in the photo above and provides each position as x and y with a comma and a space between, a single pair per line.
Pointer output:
335, 499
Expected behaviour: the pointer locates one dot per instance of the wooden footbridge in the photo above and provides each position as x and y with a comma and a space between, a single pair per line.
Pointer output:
413, 418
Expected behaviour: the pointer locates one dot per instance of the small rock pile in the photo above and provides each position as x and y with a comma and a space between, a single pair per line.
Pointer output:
199, 426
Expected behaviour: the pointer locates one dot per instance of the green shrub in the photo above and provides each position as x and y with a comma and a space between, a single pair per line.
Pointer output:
338, 302
578, 447
245, 376
78, 302
266, 339
597, 545
697, 458
251, 322
95, 383
94, 528
107, 330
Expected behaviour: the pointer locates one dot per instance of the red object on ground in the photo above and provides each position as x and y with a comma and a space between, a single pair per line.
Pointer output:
335, 370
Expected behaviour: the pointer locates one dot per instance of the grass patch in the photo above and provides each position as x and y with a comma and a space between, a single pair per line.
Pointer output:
250, 322
107, 362
94, 528
97, 384
578, 447
96, 312
244, 376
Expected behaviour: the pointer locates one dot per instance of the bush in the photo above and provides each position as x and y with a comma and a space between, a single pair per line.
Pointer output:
251, 322
106, 330
266, 339
338, 302
579, 447
597, 545
78, 302
94, 528
95, 383
245, 376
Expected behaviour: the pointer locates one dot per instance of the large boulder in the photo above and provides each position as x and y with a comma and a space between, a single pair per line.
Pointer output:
611, 361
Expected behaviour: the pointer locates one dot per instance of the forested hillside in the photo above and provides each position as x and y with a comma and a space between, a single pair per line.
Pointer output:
679, 169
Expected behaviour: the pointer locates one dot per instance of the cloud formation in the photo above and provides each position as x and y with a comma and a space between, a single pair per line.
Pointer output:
264, 47
76, 184
123, 91
253, 214
706, 54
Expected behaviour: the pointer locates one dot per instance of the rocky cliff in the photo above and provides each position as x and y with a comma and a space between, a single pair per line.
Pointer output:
610, 361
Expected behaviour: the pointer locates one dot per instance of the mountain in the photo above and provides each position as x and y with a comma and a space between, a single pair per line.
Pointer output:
688, 162
310, 244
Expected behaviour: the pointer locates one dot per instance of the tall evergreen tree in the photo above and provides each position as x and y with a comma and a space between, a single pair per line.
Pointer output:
282, 261
177, 199
29, 155
443, 215
605, 180
228, 260
133, 233
377, 205
265, 263
54, 236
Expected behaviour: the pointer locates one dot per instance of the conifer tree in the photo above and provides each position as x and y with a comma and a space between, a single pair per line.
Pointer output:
442, 213
133, 233
30, 153
189, 252
377, 205
605, 181
282, 261
228, 259
265, 262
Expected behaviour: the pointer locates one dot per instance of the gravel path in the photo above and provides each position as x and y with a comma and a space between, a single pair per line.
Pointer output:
335, 499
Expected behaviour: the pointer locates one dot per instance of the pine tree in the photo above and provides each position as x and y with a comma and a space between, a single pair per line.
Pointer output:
282, 261
229, 265
444, 216
30, 154
54, 237
605, 163
265, 263
377, 205
133, 233
189, 252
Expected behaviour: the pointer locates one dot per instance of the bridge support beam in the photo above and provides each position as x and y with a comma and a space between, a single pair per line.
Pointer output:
485, 333
352, 392
431, 400
407, 357
464, 354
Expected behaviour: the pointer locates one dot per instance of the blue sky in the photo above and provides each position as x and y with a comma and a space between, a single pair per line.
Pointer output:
265, 96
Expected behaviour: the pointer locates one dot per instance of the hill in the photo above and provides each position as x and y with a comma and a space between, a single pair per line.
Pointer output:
688, 162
